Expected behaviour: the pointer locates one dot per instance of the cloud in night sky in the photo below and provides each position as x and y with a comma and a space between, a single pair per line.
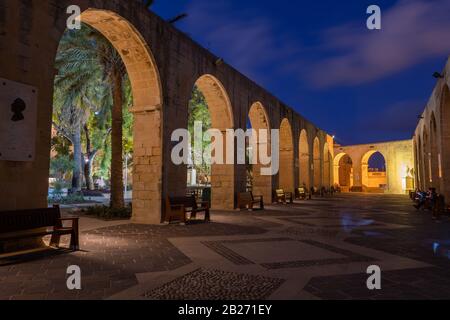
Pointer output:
412, 31
248, 42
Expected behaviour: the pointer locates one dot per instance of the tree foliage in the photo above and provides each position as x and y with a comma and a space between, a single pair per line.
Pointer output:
198, 111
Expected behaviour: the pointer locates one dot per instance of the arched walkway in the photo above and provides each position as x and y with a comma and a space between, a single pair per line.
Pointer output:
220, 109
259, 120
286, 173
304, 160
317, 167
374, 175
343, 171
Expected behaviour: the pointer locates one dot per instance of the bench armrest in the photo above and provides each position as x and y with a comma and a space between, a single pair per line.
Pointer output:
69, 219
75, 222
258, 196
177, 207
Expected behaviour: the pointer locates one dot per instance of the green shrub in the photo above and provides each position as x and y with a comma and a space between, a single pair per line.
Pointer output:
74, 198
108, 213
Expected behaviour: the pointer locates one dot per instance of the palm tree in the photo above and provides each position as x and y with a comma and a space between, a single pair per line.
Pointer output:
86, 61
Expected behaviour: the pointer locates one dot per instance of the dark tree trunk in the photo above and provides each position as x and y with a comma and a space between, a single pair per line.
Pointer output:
117, 192
88, 172
89, 161
78, 159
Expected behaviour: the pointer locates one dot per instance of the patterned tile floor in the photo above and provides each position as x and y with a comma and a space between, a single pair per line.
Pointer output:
318, 249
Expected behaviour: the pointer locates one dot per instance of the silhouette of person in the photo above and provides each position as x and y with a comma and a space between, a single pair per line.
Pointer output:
17, 108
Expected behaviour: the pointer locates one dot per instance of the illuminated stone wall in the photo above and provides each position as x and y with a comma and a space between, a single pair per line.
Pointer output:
399, 157
163, 64
432, 139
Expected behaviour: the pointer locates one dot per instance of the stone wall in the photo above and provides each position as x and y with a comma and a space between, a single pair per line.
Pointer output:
432, 139
163, 64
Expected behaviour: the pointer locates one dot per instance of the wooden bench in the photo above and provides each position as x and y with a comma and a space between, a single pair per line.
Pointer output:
303, 194
246, 200
177, 208
283, 197
33, 223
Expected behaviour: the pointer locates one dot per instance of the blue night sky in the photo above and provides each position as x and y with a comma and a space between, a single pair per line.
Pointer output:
318, 56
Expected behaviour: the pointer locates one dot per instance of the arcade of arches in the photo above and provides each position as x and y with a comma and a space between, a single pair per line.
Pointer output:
431, 141
392, 171
164, 65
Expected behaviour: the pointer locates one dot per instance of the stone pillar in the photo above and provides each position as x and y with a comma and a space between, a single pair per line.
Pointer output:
222, 183
357, 173
147, 170
262, 185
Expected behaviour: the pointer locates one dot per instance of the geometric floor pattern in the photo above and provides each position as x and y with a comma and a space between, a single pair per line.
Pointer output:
317, 249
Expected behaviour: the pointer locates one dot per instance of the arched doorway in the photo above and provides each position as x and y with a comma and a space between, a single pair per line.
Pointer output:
326, 166
317, 167
145, 88
219, 175
343, 171
434, 155
286, 173
304, 160
373, 172
259, 122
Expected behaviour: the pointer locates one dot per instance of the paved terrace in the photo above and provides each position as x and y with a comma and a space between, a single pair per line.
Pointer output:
318, 249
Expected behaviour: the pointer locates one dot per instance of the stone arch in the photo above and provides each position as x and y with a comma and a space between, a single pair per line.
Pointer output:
426, 158
434, 154
343, 171
317, 164
365, 170
259, 119
326, 174
147, 109
286, 173
304, 160
220, 109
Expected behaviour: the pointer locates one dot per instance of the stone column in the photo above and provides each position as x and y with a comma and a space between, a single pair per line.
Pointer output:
262, 185
147, 167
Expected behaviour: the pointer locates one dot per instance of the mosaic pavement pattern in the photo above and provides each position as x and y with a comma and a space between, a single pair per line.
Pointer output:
205, 284
316, 249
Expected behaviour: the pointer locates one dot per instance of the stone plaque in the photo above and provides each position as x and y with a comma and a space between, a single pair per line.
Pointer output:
18, 112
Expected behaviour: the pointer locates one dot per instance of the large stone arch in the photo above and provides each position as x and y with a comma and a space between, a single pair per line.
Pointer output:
343, 171
317, 163
221, 111
46, 26
365, 167
286, 173
259, 119
304, 160
147, 104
